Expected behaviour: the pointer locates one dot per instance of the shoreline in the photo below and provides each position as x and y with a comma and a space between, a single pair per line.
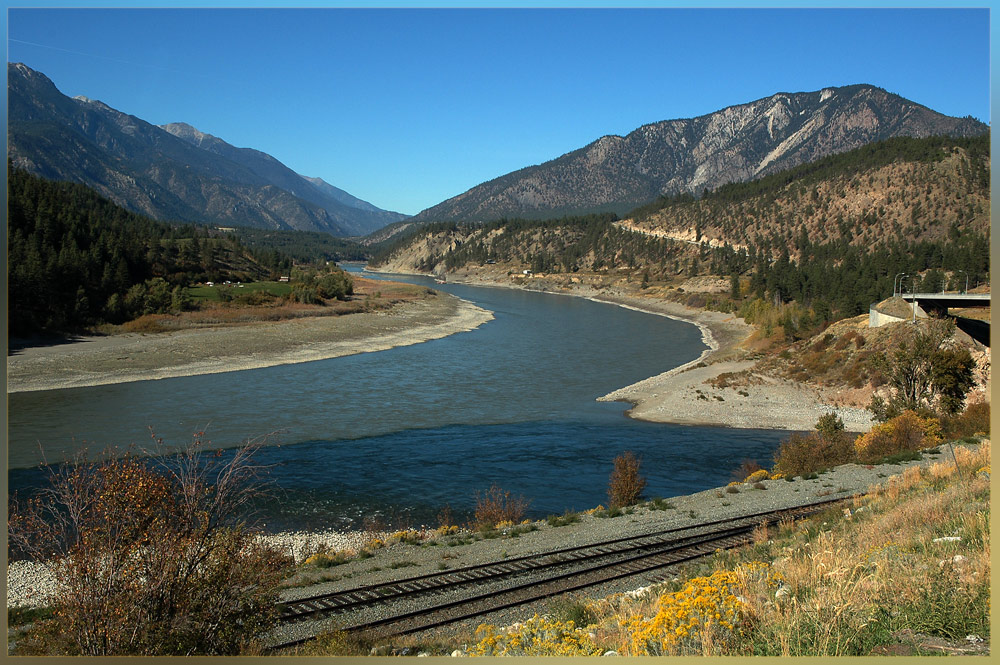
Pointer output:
96, 361
32, 584
692, 393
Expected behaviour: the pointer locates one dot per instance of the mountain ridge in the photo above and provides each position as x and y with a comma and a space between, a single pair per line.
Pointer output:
616, 173
368, 217
194, 177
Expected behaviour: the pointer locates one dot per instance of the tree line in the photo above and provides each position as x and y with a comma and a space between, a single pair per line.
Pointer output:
76, 259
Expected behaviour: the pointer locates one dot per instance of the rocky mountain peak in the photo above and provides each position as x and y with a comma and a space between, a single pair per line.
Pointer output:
733, 144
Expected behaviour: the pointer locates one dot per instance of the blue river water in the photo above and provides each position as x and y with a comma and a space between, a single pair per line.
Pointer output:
401, 433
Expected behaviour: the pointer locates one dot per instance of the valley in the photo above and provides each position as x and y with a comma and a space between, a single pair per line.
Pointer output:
224, 364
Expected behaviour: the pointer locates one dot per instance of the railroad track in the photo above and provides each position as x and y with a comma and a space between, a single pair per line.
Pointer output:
531, 578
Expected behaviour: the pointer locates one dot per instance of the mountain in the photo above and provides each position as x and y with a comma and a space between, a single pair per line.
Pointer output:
190, 177
876, 200
736, 144
354, 216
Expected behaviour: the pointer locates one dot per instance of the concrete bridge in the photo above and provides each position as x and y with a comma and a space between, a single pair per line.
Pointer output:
940, 302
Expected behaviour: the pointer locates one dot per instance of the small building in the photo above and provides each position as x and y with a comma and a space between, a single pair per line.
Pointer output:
283, 278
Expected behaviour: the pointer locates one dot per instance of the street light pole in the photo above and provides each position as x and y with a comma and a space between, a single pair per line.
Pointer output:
900, 276
966, 280
913, 292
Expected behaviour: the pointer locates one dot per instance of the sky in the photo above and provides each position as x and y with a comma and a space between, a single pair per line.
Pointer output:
406, 107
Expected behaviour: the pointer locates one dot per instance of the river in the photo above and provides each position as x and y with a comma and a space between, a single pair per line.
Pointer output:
403, 432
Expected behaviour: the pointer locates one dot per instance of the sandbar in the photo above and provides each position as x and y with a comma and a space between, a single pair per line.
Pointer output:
94, 361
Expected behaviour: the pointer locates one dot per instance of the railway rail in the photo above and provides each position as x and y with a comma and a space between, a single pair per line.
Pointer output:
529, 578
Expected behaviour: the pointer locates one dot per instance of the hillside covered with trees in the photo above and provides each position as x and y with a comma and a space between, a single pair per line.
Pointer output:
830, 235
77, 260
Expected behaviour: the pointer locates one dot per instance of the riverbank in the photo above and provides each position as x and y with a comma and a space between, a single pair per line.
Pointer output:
94, 361
31, 584
696, 392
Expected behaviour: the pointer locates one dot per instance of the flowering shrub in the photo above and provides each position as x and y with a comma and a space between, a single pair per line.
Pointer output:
907, 431
777, 475
327, 559
446, 530
375, 544
504, 524
757, 476
706, 603
537, 636
408, 536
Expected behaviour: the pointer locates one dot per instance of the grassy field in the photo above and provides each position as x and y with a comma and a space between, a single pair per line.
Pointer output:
213, 293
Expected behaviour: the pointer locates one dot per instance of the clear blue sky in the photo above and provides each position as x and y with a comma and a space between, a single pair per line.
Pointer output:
406, 107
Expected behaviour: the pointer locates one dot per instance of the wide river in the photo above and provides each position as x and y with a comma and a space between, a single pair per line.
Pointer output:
403, 432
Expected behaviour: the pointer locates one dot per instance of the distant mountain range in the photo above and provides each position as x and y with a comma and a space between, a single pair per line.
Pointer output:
735, 144
174, 172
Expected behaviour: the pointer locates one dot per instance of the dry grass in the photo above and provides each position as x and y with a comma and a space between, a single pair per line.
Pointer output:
910, 558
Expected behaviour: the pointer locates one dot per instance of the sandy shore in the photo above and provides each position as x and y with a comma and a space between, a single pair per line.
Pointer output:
685, 395
93, 361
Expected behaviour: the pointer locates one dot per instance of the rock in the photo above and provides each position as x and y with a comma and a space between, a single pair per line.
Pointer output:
973, 639
947, 539
457, 653
784, 591
382, 650
610, 653
636, 593
423, 654
956, 560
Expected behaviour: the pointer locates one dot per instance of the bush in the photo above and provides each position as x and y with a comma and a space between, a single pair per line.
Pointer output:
535, 637
829, 425
336, 284
805, 453
974, 420
747, 468
497, 505
569, 517
152, 558
906, 432
625, 485
704, 605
